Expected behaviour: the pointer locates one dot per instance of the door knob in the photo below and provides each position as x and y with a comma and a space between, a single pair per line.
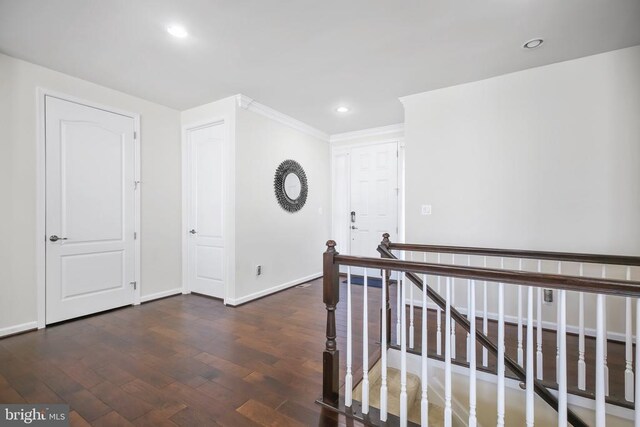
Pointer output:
55, 238
192, 231
353, 227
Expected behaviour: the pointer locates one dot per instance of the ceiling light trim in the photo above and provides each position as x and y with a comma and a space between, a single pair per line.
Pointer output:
533, 43
364, 133
250, 104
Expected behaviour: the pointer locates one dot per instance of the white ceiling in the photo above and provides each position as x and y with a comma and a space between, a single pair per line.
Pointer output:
303, 57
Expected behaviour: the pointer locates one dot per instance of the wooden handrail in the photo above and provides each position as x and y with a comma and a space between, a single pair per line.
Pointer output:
519, 253
550, 281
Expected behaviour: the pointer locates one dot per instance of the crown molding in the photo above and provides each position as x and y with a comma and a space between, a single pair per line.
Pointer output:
251, 104
364, 133
403, 99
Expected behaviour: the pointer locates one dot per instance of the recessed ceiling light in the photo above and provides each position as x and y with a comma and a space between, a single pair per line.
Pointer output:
177, 31
532, 44
342, 109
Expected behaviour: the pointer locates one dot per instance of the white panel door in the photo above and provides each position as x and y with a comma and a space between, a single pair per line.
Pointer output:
206, 245
90, 210
374, 198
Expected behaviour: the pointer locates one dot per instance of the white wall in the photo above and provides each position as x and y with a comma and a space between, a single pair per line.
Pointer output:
259, 232
546, 158
289, 246
160, 176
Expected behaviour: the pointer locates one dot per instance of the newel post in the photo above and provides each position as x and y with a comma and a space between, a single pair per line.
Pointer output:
386, 243
330, 356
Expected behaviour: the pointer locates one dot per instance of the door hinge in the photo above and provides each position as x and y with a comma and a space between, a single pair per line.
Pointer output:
135, 135
135, 235
135, 285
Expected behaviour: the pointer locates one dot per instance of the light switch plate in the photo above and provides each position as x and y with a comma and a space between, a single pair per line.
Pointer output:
425, 210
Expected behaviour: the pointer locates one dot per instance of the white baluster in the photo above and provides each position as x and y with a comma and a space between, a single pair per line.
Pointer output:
348, 379
520, 349
424, 401
365, 348
628, 369
501, 396
411, 312
439, 320
485, 319
383, 357
582, 366
562, 380
470, 315
600, 377
539, 370
399, 308
403, 359
558, 332
606, 337
637, 406
447, 358
530, 371
472, 355
453, 304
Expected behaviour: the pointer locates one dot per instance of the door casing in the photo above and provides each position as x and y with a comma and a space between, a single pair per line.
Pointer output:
346, 149
41, 192
228, 203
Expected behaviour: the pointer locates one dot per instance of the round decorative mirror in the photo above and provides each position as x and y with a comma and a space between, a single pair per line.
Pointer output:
290, 185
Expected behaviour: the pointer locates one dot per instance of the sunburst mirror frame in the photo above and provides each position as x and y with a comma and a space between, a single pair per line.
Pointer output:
284, 169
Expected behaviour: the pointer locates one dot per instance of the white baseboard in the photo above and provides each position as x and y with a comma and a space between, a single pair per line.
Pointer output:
269, 291
163, 294
10, 330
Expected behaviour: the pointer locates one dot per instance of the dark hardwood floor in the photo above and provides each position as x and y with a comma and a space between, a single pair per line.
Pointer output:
188, 360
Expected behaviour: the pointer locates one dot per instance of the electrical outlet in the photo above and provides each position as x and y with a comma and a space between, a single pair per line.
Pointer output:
548, 296
258, 270
425, 210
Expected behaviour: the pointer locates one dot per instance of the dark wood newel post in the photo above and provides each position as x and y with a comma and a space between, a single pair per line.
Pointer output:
331, 297
386, 242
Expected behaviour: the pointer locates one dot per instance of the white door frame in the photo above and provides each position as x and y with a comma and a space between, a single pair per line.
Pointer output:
41, 186
227, 208
347, 148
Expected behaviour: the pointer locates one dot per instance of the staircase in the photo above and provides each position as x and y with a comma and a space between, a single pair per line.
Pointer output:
436, 413
493, 384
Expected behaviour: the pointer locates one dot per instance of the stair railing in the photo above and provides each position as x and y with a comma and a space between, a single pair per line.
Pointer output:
406, 272
557, 261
